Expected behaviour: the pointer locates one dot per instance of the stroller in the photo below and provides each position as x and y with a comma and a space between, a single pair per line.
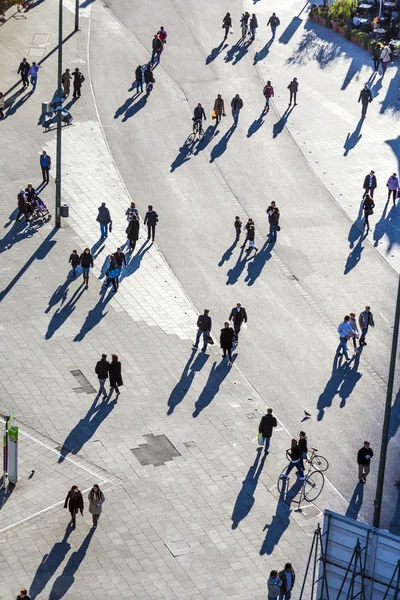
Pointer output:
39, 209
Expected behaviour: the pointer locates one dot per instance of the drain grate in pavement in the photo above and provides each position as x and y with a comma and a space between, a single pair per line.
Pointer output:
85, 385
156, 451
178, 547
41, 38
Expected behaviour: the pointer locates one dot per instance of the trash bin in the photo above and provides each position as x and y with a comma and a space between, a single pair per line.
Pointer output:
64, 211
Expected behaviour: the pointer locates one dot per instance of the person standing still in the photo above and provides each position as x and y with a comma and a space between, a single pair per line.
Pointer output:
364, 456
345, 331
370, 184
23, 68
268, 92
253, 25
204, 325
266, 428
295, 461
66, 82
104, 219
74, 502
273, 585
365, 320
288, 578
156, 48
376, 55
227, 24
102, 369
293, 88
22, 207
236, 105
219, 108
33, 72
393, 187
45, 165
151, 219
96, 499
77, 84
226, 339
238, 316
274, 22
273, 220
368, 208
86, 262
115, 374
238, 227
353, 323
365, 98
139, 79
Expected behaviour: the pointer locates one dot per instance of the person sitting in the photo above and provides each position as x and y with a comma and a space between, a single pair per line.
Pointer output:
356, 21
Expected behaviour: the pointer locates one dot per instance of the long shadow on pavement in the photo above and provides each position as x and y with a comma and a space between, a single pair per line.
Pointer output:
49, 565
184, 155
245, 500
62, 314
356, 501
227, 254
389, 225
133, 261
290, 30
394, 526
215, 52
60, 295
222, 145
133, 110
279, 126
342, 382
355, 255
352, 139
237, 51
94, 316
67, 578
19, 231
263, 53
122, 109
215, 378
209, 134
394, 416
186, 379
256, 124
256, 266
236, 271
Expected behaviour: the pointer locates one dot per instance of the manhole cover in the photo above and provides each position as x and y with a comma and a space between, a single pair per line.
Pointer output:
179, 547
156, 451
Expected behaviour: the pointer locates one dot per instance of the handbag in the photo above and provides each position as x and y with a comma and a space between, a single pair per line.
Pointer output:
213, 114
231, 30
113, 273
261, 439
278, 227
210, 340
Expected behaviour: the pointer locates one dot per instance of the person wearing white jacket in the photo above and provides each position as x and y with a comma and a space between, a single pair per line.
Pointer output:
385, 58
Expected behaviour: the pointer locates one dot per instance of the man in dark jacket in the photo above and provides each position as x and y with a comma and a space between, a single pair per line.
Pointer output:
78, 80
104, 219
295, 454
238, 315
151, 220
365, 320
156, 48
22, 208
365, 98
293, 89
119, 258
204, 328
23, 68
236, 105
274, 22
273, 219
102, 369
199, 114
226, 339
133, 232
266, 427
364, 456
45, 164
370, 183
288, 577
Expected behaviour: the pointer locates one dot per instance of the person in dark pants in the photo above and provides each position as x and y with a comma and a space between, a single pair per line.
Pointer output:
368, 208
226, 341
77, 83
364, 456
120, 258
113, 273
238, 227
288, 577
376, 55
219, 108
22, 206
274, 22
156, 48
45, 164
30, 192
370, 184
23, 68
365, 320
104, 219
102, 369
393, 187
273, 220
96, 499
266, 427
303, 447
227, 24
237, 316
204, 325
74, 501
133, 232
74, 261
139, 79
251, 236
86, 262
365, 98
151, 219
115, 374
293, 88
236, 105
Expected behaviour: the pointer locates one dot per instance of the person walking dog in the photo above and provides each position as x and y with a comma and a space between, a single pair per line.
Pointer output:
96, 499
74, 502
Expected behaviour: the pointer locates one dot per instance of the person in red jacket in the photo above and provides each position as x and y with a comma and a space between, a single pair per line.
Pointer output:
162, 34
268, 93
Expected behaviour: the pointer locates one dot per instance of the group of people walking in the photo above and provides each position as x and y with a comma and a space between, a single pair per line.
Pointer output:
348, 330
229, 336
369, 186
112, 371
74, 503
77, 80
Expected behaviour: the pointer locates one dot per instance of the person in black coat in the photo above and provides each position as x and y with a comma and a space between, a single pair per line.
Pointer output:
115, 374
364, 456
266, 427
227, 24
156, 48
102, 369
293, 88
139, 79
151, 220
74, 502
370, 183
23, 68
368, 208
86, 262
365, 98
237, 316
226, 341
74, 261
119, 258
132, 232
78, 80
148, 75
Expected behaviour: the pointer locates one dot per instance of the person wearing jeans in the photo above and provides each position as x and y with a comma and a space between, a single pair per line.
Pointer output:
204, 328
365, 320
273, 219
345, 331
266, 427
33, 72
295, 454
102, 370
104, 219
288, 577
236, 105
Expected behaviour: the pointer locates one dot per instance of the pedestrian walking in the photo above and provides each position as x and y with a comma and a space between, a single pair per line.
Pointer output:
364, 456
139, 79
295, 461
250, 235
345, 330
238, 316
156, 48
293, 88
77, 84
132, 232
74, 502
393, 187
219, 109
120, 258
22, 206
104, 220
162, 34
112, 273
368, 208
353, 323
273, 585
102, 369
288, 578
45, 165
236, 105
66, 81
365, 320
86, 262
23, 594
33, 72
370, 184
96, 499
204, 325
238, 227
74, 261
244, 23
273, 220
226, 339
148, 77
2, 105
303, 447
253, 27
115, 374
266, 428
151, 219
132, 210
274, 22
376, 55
227, 24
385, 58
30, 192
23, 69
365, 98
268, 92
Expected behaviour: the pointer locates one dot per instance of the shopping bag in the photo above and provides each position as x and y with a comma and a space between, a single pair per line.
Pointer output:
213, 114
231, 30
261, 439
110, 227
210, 340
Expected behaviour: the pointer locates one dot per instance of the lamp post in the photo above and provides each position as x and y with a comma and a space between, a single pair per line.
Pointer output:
386, 419
76, 15
59, 109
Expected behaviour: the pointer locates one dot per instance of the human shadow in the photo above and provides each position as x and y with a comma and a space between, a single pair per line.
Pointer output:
67, 578
344, 378
355, 255
94, 316
20, 230
357, 229
215, 378
237, 51
227, 254
215, 52
60, 295
135, 108
388, 225
134, 261
86, 427
33, 5
263, 53
245, 500
14, 106
256, 266
279, 125
356, 501
49, 565
394, 526
256, 124
222, 145
281, 520
208, 136
236, 271
186, 379
394, 416
97, 248
391, 102
184, 154
290, 30
354, 67
352, 139
124, 107
63, 313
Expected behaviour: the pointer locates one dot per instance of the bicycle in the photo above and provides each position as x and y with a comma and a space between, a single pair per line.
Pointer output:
317, 461
310, 488
198, 129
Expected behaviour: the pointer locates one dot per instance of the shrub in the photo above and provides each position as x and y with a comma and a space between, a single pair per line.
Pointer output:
341, 10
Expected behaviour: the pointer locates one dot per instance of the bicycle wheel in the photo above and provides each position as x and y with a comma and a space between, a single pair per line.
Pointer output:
319, 462
313, 485
201, 133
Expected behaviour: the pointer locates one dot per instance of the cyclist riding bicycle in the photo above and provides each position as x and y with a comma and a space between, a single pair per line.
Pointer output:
198, 116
